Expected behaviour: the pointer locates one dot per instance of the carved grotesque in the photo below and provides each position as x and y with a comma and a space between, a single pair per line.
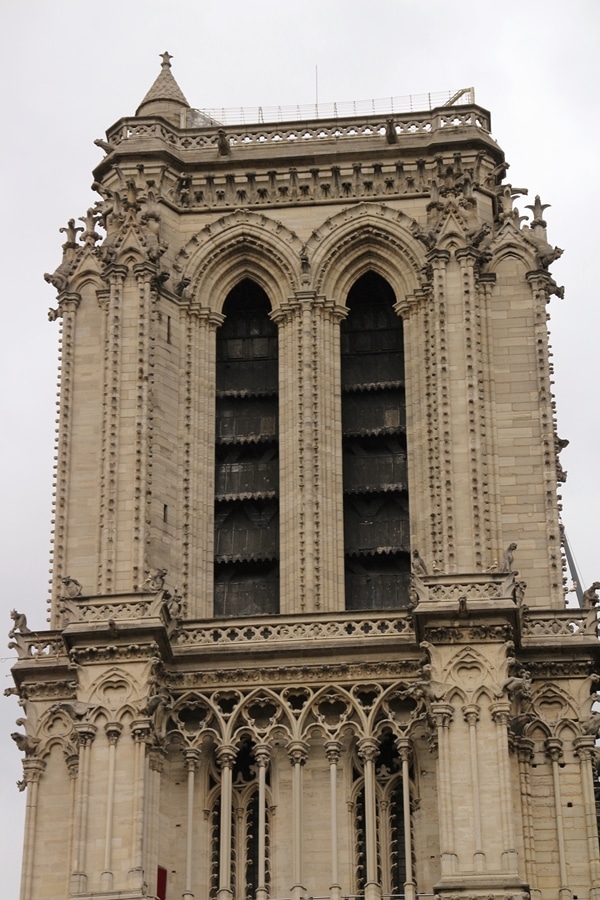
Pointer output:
507, 559
19, 624
418, 566
590, 597
71, 588
155, 580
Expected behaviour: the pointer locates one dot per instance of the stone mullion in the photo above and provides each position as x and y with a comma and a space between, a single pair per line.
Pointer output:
368, 750
261, 756
472, 543
68, 304
332, 751
539, 286
493, 511
297, 751
471, 714
192, 757
226, 755
33, 770
328, 465
199, 461
294, 478
525, 748
85, 735
113, 730
500, 715
442, 515
140, 730
142, 507
405, 750
442, 714
417, 390
554, 752
155, 765
585, 748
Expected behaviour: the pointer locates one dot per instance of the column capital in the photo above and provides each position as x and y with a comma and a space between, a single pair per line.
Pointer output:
204, 314
584, 746
262, 755
442, 713
333, 750
68, 301
404, 747
500, 712
192, 758
226, 756
525, 748
297, 752
471, 713
86, 732
554, 748
33, 769
368, 749
140, 729
113, 731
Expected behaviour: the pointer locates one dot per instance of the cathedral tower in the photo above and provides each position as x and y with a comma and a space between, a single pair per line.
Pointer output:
308, 632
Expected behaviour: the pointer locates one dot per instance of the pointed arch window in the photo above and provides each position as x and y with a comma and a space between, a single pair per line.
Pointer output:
244, 868
246, 457
391, 836
376, 518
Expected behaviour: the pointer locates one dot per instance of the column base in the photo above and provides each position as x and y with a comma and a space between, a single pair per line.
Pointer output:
297, 892
449, 864
565, 894
335, 892
136, 879
410, 890
224, 894
78, 883
479, 861
106, 881
372, 891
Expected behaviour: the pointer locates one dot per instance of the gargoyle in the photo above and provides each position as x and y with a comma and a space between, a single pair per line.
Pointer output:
25, 743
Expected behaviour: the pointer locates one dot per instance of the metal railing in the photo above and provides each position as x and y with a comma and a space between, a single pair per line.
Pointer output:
345, 109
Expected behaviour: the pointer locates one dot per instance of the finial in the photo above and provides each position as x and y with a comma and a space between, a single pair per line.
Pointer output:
166, 59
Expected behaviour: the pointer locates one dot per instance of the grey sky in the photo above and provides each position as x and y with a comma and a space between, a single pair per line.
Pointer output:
71, 70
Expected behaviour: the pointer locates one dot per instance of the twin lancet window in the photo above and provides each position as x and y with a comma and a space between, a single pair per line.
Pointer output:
376, 524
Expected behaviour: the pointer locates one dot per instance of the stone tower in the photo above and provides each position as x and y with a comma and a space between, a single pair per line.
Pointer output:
308, 632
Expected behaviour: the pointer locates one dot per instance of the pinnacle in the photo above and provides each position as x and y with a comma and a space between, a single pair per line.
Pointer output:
164, 89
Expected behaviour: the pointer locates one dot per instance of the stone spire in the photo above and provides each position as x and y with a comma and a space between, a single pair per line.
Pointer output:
165, 97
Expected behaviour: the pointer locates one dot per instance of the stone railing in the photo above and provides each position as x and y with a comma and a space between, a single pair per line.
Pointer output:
122, 607
33, 645
580, 623
344, 627
198, 138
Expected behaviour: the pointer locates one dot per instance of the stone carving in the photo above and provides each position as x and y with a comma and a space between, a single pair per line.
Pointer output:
391, 136
104, 145
507, 559
90, 235
418, 566
590, 596
518, 685
71, 232
155, 580
71, 587
75, 709
19, 624
223, 145
25, 743
591, 725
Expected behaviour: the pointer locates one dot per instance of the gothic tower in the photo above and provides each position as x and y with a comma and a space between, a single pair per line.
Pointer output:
308, 632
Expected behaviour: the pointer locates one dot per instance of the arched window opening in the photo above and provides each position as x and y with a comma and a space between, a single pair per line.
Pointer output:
376, 518
246, 457
244, 864
391, 838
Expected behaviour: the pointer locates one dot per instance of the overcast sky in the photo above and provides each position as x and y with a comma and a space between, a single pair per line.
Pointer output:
72, 69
